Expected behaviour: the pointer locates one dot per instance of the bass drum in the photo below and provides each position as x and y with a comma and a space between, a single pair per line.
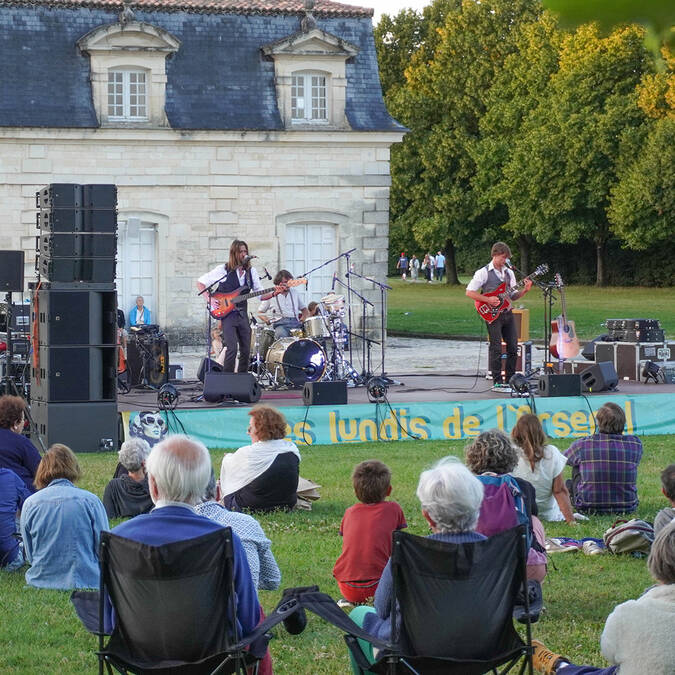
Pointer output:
296, 361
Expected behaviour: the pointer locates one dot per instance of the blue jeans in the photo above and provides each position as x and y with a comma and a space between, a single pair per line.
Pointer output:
282, 328
18, 562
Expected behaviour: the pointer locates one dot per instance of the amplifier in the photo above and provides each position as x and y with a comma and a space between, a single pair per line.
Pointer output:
632, 324
77, 244
73, 195
559, 385
643, 335
77, 220
629, 355
95, 270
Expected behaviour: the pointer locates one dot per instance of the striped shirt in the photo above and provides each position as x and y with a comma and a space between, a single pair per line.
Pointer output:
606, 466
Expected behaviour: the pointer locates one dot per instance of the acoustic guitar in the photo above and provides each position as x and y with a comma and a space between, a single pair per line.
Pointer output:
490, 313
564, 341
221, 304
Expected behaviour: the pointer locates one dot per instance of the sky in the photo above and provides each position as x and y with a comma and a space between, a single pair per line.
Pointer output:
391, 7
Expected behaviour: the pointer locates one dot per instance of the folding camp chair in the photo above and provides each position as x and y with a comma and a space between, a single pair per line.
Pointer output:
173, 607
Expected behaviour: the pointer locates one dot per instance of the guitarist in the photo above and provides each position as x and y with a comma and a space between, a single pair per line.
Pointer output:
485, 280
284, 308
237, 272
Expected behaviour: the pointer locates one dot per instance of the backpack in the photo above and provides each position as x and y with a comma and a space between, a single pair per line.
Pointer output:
629, 536
503, 506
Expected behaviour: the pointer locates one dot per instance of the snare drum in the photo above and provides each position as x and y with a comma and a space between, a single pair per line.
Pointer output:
262, 338
297, 361
315, 327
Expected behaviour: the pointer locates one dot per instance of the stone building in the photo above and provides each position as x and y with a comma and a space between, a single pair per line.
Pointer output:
254, 119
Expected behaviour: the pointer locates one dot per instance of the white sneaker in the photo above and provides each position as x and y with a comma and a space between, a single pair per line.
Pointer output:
345, 604
591, 548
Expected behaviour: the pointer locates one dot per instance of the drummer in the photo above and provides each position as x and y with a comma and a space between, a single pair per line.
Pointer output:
286, 310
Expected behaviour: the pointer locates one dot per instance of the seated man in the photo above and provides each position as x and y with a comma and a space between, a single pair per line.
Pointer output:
178, 471
664, 516
604, 466
284, 308
13, 493
264, 569
139, 315
129, 494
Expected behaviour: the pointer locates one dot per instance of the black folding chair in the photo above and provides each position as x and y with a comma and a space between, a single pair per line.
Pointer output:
173, 607
452, 606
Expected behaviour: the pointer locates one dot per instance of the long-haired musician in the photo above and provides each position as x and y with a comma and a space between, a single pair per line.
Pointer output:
234, 274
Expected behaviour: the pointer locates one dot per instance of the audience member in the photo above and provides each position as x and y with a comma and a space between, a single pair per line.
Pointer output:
440, 266
262, 476
366, 530
665, 516
542, 465
432, 264
402, 265
129, 494
16, 451
450, 497
265, 572
638, 634
426, 268
604, 466
178, 472
492, 453
139, 315
414, 268
61, 526
13, 493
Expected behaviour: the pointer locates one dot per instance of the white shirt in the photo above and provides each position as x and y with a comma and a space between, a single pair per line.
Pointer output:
481, 276
550, 466
287, 305
219, 272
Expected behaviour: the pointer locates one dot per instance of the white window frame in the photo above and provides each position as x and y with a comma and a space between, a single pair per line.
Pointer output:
127, 102
318, 109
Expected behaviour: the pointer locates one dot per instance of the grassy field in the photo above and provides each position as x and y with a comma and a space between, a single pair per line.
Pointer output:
439, 309
39, 632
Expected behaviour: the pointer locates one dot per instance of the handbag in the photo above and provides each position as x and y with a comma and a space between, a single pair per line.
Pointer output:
629, 536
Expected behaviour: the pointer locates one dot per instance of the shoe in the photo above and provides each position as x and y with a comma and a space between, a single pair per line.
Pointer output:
592, 548
544, 660
345, 604
555, 546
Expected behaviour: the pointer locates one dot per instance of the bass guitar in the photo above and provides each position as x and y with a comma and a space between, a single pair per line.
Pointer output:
490, 313
564, 341
221, 304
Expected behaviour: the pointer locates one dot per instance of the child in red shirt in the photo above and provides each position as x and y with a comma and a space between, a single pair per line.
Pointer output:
366, 530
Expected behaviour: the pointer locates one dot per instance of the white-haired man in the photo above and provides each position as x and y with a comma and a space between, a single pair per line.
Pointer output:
178, 472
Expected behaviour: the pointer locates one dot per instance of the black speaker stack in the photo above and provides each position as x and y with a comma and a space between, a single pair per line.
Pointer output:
74, 301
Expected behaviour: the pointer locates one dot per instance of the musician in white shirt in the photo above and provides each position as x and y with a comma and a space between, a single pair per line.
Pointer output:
486, 280
283, 310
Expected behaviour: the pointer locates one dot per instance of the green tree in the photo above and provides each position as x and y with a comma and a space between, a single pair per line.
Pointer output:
557, 180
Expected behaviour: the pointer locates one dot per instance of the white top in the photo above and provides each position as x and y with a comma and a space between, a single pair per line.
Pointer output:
638, 634
286, 305
219, 273
550, 466
440, 260
481, 276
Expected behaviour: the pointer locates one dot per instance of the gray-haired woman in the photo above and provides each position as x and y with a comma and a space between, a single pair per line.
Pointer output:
128, 495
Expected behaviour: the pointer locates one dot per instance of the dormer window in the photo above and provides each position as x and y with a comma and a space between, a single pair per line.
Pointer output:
309, 98
127, 96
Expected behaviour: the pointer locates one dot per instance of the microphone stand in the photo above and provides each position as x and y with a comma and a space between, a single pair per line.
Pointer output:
208, 289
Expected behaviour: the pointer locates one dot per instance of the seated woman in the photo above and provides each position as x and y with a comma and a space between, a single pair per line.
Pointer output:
450, 498
638, 634
61, 526
262, 476
493, 453
129, 494
13, 493
16, 451
542, 465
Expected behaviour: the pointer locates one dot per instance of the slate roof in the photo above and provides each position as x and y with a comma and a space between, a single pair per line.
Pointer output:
217, 80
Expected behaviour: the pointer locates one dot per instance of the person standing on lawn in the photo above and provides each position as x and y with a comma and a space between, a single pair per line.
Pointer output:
485, 280
402, 265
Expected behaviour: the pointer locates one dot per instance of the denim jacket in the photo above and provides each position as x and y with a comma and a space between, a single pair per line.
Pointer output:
61, 529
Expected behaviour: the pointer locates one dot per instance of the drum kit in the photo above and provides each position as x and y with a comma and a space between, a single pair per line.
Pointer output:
315, 352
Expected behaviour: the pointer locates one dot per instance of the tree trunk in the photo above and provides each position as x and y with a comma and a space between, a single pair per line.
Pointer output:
524, 250
450, 263
600, 276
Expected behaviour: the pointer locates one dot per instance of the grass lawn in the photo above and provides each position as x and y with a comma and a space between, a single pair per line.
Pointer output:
439, 309
39, 632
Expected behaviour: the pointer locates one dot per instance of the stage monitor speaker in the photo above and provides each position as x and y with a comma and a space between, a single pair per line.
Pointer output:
325, 393
600, 377
559, 385
214, 367
11, 271
83, 427
241, 387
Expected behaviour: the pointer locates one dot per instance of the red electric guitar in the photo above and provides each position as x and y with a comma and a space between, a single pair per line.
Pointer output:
221, 304
564, 341
490, 313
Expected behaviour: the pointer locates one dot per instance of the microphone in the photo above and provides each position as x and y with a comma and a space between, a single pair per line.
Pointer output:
267, 274
249, 257
507, 262
332, 288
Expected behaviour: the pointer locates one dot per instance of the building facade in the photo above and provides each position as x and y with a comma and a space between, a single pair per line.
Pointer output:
259, 120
